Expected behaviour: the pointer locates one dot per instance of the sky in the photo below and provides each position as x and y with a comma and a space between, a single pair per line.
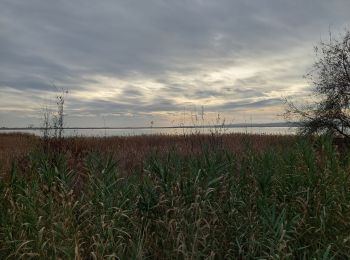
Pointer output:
133, 62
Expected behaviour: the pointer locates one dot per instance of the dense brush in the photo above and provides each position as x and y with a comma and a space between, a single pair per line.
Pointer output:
216, 203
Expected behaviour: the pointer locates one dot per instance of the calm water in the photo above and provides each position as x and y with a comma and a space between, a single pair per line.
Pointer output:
174, 131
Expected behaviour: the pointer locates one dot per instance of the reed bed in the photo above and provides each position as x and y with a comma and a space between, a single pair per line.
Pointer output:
14, 147
131, 151
189, 197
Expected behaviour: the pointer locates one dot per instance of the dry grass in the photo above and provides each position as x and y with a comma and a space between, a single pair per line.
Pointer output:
131, 151
14, 147
175, 197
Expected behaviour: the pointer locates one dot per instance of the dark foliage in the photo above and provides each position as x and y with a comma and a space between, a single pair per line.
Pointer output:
330, 78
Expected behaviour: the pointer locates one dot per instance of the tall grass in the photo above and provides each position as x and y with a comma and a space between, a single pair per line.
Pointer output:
215, 203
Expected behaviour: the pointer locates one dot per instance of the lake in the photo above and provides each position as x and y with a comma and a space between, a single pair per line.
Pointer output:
165, 131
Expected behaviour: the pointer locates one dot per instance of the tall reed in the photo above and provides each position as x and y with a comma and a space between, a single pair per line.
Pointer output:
215, 203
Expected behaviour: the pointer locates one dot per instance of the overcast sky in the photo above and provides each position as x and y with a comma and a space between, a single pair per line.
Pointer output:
128, 62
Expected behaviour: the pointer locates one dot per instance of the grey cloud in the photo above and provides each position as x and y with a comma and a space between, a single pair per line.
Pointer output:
232, 92
246, 104
248, 92
131, 92
66, 41
154, 36
251, 81
207, 93
100, 106
27, 84
163, 105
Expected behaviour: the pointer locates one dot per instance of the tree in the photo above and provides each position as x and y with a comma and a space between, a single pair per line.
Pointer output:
330, 78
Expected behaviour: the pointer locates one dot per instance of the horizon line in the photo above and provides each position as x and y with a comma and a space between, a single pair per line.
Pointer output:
238, 125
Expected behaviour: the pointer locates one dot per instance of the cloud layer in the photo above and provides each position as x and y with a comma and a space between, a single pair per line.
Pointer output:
135, 61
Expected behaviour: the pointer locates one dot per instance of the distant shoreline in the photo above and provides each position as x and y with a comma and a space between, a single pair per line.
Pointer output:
156, 127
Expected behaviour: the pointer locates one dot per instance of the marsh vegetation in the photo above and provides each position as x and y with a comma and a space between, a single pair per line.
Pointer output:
174, 197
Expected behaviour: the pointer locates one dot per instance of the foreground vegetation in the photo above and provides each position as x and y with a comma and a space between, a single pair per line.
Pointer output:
201, 197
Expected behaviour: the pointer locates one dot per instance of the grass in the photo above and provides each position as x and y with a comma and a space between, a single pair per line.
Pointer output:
192, 197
